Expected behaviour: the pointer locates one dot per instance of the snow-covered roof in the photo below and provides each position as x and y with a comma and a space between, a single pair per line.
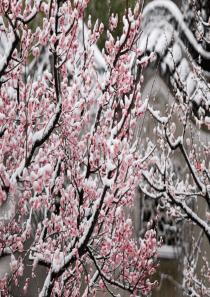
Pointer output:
157, 11
166, 33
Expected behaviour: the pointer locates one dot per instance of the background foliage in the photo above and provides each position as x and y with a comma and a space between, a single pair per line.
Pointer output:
102, 10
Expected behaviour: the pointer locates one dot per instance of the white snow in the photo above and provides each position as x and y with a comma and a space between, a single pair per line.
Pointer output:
109, 165
155, 113
173, 56
18, 171
183, 69
91, 283
109, 181
8, 49
31, 15
164, 40
191, 84
44, 169
153, 37
39, 135
143, 43
3, 39
143, 106
46, 285
174, 10
2, 116
207, 120
118, 211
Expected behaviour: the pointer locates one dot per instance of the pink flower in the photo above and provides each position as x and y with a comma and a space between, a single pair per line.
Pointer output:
36, 51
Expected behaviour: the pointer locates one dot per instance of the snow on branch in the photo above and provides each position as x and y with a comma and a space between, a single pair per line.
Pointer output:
67, 181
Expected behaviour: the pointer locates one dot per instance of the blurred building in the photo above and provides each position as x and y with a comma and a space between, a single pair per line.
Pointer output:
169, 29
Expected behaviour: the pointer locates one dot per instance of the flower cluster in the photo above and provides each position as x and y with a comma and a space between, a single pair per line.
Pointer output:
67, 182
